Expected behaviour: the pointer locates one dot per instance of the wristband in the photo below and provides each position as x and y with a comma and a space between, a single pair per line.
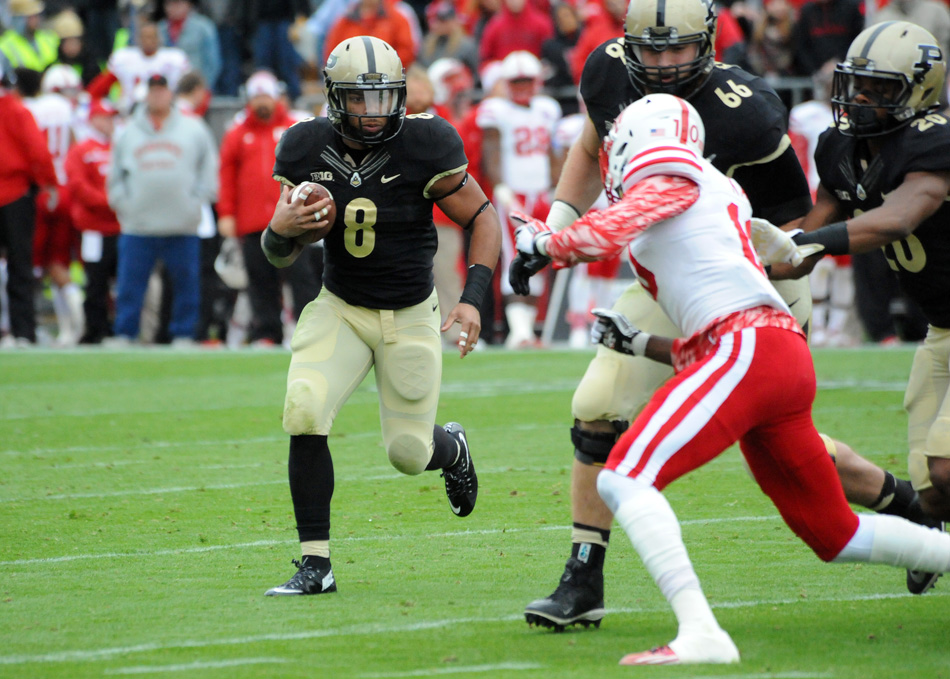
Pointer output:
561, 215
638, 345
277, 245
833, 237
476, 285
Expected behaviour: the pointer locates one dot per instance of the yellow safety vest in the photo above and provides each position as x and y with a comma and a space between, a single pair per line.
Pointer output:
21, 52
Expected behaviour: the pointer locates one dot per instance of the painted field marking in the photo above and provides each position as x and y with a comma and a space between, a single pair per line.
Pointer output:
200, 665
461, 669
377, 629
389, 536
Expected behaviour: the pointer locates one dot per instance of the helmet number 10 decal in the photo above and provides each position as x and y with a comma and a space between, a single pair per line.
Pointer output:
360, 218
734, 98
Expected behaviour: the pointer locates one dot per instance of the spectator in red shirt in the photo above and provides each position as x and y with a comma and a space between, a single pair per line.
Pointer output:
601, 27
26, 162
518, 25
87, 166
380, 19
246, 203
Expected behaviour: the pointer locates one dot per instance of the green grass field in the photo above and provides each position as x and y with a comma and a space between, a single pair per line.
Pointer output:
144, 510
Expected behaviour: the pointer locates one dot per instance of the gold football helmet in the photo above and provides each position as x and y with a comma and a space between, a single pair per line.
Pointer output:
660, 25
896, 67
365, 84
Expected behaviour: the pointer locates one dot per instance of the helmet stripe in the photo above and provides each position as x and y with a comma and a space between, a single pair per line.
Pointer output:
684, 125
661, 13
873, 37
370, 55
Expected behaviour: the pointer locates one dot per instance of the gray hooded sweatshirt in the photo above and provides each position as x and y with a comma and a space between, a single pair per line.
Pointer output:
159, 179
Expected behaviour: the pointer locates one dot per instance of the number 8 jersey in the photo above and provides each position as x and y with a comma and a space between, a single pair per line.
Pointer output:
380, 250
922, 259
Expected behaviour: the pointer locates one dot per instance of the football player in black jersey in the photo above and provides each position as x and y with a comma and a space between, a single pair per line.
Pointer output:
668, 47
885, 172
378, 307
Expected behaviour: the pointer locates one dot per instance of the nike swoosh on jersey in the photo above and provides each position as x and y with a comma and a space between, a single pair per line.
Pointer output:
385, 180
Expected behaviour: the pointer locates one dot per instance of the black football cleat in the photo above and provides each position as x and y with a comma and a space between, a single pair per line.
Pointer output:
308, 579
918, 582
578, 599
461, 483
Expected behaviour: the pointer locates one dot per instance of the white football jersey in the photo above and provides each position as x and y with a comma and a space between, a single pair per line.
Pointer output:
526, 135
56, 118
699, 265
131, 67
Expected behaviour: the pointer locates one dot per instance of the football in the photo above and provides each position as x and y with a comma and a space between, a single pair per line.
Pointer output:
318, 191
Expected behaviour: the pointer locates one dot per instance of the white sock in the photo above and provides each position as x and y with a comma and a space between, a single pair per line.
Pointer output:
891, 540
648, 520
520, 318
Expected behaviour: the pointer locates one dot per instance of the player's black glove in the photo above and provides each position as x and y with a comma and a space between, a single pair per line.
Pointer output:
522, 269
614, 331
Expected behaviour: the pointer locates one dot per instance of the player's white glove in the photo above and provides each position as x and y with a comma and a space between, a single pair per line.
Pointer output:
614, 331
531, 236
503, 196
775, 246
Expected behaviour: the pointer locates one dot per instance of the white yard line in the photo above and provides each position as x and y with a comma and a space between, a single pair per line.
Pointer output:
460, 669
187, 667
387, 536
92, 655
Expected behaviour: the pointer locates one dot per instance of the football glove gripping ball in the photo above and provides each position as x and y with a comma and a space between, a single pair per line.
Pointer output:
775, 246
614, 331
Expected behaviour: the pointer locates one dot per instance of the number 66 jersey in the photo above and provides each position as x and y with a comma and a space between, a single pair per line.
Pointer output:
860, 183
746, 129
379, 252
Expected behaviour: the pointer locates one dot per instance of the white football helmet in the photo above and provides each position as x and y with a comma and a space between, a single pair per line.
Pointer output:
371, 67
521, 66
450, 78
62, 79
895, 66
661, 24
656, 120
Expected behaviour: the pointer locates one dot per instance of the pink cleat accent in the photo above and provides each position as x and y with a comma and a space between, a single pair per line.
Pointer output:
664, 655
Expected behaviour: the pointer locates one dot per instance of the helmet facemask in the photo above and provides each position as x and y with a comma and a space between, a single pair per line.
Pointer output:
678, 23
893, 72
354, 107
366, 91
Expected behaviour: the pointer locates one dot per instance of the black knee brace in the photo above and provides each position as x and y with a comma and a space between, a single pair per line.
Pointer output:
593, 447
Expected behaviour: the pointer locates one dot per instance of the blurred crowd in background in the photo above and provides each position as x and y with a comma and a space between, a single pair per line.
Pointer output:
226, 77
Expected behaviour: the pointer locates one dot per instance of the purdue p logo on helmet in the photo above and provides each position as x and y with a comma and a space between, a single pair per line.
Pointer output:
368, 69
892, 73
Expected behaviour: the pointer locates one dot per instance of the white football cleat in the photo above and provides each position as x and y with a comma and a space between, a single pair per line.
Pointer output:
714, 648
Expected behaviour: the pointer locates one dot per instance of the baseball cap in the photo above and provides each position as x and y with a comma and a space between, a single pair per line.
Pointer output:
101, 107
157, 79
440, 9
262, 83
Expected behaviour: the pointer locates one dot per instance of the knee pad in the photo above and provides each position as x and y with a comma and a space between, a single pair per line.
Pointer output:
302, 408
409, 454
593, 447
